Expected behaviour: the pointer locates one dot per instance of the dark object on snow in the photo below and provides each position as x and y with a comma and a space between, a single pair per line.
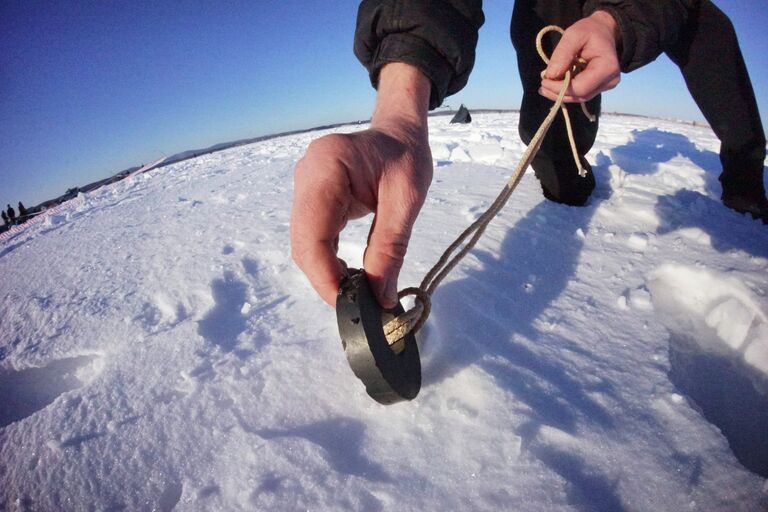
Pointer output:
752, 202
462, 116
11, 214
389, 377
6, 221
23, 214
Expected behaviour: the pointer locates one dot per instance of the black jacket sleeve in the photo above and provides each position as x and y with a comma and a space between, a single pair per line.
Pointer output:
436, 36
647, 26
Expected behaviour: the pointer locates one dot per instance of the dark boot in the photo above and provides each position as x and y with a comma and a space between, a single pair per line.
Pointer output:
569, 188
746, 198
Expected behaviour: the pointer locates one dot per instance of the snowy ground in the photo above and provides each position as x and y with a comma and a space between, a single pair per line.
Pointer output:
158, 349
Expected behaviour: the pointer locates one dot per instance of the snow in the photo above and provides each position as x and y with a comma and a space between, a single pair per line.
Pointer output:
159, 350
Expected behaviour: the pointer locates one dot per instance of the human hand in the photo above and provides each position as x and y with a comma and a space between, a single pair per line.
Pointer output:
386, 170
593, 39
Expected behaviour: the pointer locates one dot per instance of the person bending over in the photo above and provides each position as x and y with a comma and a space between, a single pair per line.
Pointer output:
419, 52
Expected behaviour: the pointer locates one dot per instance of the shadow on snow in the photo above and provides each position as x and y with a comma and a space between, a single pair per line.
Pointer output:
223, 324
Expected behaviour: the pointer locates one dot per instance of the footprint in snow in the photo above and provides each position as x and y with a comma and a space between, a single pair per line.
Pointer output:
718, 353
224, 322
25, 392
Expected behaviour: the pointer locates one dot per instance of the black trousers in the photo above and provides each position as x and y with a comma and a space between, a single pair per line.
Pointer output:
708, 55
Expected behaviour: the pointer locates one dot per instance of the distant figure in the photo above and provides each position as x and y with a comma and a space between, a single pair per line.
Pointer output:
5, 219
22, 211
11, 214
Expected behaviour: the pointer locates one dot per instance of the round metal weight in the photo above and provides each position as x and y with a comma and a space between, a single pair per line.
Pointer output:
389, 377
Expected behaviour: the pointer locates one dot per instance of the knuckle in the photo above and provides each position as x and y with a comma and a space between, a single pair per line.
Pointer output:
332, 144
297, 255
298, 249
301, 169
393, 244
579, 92
323, 161
394, 252
323, 150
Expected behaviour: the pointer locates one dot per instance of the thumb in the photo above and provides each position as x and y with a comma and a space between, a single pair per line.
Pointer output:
387, 245
565, 53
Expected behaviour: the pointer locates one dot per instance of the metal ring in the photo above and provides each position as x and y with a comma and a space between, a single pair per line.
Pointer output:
388, 377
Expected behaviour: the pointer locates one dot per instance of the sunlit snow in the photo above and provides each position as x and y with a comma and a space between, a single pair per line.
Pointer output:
159, 350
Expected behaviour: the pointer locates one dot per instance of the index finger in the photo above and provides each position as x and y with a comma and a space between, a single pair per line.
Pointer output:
319, 213
565, 52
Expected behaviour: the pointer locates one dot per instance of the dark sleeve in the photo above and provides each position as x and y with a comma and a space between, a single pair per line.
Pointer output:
436, 36
647, 26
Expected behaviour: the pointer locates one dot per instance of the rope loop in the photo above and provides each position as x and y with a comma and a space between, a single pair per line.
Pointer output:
578, 64
411, 320
422, 298
546, 30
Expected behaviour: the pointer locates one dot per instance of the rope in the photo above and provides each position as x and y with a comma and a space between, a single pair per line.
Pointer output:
414, 318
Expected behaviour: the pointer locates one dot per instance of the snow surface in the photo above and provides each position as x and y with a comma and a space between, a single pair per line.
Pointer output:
159, 350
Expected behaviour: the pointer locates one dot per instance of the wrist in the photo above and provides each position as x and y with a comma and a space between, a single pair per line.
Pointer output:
403, 98
606, 19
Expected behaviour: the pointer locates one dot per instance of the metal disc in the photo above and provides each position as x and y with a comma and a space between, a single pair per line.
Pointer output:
389, 377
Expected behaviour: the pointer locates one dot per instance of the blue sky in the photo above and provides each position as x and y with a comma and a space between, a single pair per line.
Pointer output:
91, 88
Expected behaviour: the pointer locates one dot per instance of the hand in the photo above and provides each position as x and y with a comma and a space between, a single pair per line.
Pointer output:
594, 40
386, 170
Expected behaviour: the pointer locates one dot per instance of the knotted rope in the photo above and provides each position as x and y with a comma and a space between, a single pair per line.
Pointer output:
414, 318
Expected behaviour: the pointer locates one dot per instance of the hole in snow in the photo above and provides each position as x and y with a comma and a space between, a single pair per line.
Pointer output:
718, 354
25, 392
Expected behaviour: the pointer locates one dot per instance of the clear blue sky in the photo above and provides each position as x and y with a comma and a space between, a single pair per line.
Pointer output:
91, 88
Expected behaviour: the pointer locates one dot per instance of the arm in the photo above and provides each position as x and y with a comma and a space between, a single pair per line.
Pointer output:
386, 170
645, 27
416, 53
438, 37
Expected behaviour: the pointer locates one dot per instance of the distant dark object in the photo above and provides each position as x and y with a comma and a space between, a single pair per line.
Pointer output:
11, 214
462, 116
22, 211
6, 221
